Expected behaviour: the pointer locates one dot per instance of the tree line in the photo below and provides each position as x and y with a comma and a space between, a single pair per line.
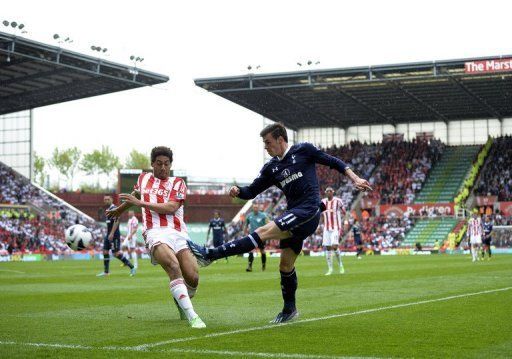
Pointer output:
69, 162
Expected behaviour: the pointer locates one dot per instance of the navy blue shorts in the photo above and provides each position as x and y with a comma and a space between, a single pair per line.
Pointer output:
301, 222
358, 241
115, 245
217, 242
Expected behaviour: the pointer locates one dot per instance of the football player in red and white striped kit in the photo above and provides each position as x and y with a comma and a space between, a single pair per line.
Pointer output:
475, 232
332, 228
161, 199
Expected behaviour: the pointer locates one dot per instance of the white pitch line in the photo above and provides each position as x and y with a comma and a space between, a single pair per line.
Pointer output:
189, 351
12, 271
262, 355
50, 345
365, 311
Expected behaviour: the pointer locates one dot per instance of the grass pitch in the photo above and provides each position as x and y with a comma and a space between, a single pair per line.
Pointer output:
410, 306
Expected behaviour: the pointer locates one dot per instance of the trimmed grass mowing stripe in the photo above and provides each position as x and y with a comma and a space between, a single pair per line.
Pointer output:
365, 311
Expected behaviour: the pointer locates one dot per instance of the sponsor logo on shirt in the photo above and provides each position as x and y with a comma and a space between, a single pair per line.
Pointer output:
156, 191
291, 178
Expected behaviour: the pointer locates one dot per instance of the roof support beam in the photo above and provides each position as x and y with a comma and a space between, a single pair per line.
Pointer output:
365, 105
308, 108
488, 108
35, 76
438, 114
12, 62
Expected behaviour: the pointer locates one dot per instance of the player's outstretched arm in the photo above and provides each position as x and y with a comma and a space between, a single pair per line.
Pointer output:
118, 211
261, 183
162, 208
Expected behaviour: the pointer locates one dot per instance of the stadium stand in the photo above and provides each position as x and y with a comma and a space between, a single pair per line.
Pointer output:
427, 231
496, 178
448, 174
22, 231
403, 169
28, 232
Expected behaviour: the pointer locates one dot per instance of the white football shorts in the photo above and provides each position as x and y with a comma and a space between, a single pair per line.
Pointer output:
476, 240
331, 238
175, 240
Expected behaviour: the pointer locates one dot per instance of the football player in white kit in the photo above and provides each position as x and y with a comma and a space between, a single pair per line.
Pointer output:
475, 231
165, 232
332, 228
130, 242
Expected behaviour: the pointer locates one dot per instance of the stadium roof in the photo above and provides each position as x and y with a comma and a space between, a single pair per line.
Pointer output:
33, 74
477, 88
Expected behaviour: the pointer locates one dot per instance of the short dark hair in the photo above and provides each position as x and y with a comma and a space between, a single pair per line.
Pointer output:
276, 129
161, 151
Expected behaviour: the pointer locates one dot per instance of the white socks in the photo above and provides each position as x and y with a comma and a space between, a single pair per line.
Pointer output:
328, 257
135, 259
180, 293
338, 255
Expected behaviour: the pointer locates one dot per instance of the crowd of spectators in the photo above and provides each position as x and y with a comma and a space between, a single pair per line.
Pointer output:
22, 231
25, 232
361, 157
496, 179
385, 232
404, 167
17, 189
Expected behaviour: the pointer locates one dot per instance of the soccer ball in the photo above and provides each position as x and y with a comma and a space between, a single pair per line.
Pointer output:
78, 237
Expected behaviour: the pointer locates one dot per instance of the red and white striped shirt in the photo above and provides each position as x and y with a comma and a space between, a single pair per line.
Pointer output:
475, 227
155, 190
332, 213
